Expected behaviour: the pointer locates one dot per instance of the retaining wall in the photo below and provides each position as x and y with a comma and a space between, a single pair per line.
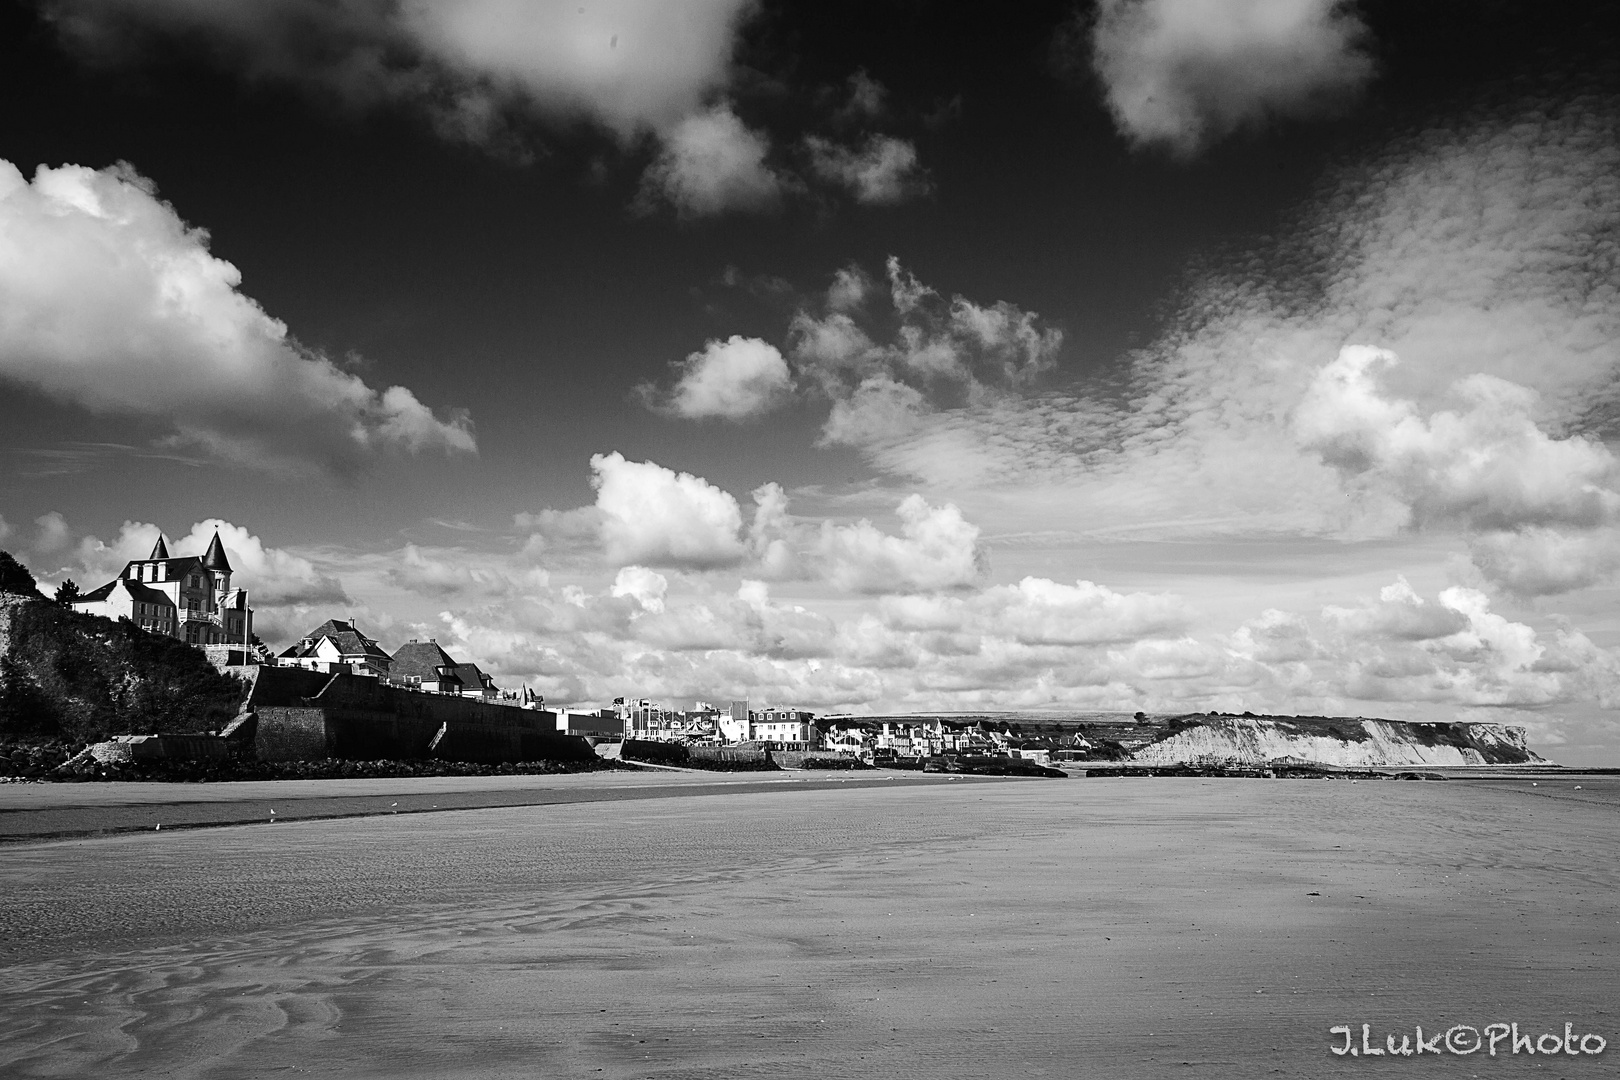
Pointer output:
307, 716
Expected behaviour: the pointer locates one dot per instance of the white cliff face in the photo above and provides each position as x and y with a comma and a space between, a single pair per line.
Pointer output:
1229, 740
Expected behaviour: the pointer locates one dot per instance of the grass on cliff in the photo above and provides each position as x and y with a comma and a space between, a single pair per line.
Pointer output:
80, 678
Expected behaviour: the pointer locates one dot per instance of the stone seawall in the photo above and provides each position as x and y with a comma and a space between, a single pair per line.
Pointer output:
308, 716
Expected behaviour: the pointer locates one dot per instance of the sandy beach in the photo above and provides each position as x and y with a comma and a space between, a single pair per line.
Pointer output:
947, 929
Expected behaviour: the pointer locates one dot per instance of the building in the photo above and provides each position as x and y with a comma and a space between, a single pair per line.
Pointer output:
475, 682
734, 723
594, 723
122, 598
189, 598
423, 665
336, 645
790, 727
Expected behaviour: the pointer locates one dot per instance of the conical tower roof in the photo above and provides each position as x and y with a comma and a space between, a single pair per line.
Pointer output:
160, 550
214, 558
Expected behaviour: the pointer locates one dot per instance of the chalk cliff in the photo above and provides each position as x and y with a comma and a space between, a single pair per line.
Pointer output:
1346, 741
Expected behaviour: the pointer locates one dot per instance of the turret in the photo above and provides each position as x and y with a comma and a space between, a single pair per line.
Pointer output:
214, 558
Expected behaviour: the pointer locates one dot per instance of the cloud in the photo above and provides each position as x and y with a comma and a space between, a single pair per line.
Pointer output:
446, 573
1476, 251
657, 517
1181, 74
711, 162
1457, 651
1541, 511
942, 354
936, 549
1541, 561
627, 65
737, 379
53, 533
646, 587
108, 301
883, 171
1038, 611
1486, 463
648, 516
868, 98
275, 577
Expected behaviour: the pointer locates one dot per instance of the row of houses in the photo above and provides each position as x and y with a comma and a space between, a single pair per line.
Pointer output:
191, 598
338, 645
789, 729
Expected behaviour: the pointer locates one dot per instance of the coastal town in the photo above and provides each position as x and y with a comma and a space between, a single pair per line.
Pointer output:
192, 598
335, 693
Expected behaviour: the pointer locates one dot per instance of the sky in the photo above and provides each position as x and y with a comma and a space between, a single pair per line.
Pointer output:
1163, 355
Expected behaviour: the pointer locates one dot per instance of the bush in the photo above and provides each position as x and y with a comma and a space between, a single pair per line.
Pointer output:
81, 678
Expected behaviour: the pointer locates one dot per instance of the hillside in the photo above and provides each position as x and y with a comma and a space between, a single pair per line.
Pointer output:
1346, 741
1223, 739
76, 678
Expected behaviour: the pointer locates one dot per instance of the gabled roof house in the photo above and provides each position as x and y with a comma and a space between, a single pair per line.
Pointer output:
337, 641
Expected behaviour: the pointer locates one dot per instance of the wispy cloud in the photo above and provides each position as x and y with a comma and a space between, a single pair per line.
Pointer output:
70, 458
881, 171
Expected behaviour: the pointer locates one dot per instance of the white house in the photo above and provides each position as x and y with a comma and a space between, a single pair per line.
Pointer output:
189, 598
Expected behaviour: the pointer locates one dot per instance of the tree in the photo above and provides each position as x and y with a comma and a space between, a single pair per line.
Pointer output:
67, 592
15, 578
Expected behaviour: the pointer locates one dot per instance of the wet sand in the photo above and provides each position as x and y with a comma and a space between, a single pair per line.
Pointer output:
31, 812
987, 929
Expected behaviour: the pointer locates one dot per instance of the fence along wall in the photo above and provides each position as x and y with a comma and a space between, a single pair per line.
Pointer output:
308, 716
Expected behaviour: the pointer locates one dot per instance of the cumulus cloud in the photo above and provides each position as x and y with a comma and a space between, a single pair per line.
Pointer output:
658, 517
110, 302
1536, 560
1486, 463
1456, 650
882, 171
647, 516
1181, 74
1541, 510
646, 587
627, 65
737, 379
711, 162
936, 549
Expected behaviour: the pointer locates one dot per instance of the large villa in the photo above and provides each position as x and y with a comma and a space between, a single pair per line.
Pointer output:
189, 598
